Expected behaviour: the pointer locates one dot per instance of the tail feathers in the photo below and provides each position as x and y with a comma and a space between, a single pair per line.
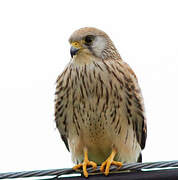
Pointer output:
139, 158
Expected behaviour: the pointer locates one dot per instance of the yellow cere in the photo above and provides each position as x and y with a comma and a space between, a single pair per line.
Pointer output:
76, 44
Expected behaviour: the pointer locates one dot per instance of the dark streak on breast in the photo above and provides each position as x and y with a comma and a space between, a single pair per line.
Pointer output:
128, 111
128, 120
126, 136
58, 109
67, 93
98, 66
107, 96
127, 87
76, 120
59, 84
98, 99
77, 73
101, 82
90, 78
81, 90
94, 73
85, 70
107, 67
103, 108
129, 102
129, 95
119, 130
121, 83
59, 90
73, 97
110, 82
114, 116
65, 124
117, 123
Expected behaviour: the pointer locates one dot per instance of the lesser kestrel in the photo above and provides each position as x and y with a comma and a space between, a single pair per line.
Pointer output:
99, 108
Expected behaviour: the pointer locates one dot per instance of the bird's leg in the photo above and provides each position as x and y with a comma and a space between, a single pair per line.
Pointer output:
110, 161
85, 163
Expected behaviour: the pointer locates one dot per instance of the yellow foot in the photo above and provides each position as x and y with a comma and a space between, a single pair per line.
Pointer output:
109, 161
84, 166
85, 163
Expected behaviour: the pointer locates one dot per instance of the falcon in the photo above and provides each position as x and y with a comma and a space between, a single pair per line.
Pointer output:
99, 109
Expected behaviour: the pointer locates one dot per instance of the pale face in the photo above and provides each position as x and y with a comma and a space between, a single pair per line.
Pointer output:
89, 44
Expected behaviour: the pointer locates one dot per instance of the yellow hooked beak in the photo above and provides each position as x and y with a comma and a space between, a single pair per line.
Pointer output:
75, 47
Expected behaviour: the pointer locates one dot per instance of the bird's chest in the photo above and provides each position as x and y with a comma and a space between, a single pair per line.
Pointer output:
94, 102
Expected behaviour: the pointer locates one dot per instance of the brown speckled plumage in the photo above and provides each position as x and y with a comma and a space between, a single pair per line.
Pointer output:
98, 103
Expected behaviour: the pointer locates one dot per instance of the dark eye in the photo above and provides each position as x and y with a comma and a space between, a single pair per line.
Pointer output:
88, 39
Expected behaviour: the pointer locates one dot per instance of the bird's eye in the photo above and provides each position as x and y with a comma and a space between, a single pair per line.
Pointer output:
89, 39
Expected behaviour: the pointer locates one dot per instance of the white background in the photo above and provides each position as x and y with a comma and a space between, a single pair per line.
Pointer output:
34, 49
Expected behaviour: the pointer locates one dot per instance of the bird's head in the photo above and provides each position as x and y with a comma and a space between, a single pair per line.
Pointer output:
91, 42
